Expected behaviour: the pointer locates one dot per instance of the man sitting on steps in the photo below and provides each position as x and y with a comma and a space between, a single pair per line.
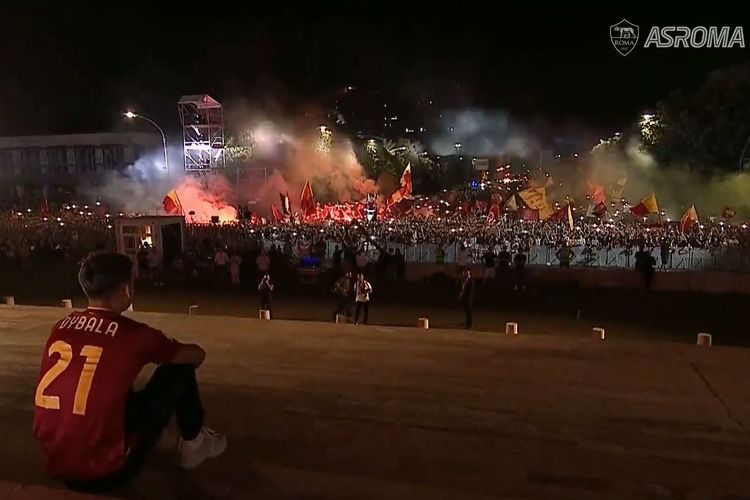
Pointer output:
94, 428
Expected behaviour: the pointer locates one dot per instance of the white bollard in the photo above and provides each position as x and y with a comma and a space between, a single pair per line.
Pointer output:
264, 314
511, 328
340, 318
423, 323
192, 308
704, 339
598, 333
9, 300
67, 303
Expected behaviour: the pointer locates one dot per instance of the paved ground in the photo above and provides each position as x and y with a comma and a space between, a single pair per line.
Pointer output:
316, 410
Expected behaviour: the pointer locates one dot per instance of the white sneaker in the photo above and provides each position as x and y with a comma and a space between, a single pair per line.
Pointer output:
208, 444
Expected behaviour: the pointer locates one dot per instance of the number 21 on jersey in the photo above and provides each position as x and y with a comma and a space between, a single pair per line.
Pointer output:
63, 349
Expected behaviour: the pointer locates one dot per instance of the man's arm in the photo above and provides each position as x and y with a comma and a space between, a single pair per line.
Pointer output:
189, 354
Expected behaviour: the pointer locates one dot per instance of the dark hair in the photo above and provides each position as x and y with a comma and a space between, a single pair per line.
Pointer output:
102, 272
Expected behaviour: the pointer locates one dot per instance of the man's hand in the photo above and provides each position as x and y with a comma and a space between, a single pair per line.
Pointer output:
189, 354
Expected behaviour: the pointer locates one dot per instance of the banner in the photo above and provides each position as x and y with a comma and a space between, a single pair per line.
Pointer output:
536, 198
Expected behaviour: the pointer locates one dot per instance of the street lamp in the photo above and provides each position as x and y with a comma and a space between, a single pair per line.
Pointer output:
130, 115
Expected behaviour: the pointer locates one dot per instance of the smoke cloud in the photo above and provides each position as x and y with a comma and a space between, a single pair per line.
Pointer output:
676, 187
141, 187
291, 150
482, 133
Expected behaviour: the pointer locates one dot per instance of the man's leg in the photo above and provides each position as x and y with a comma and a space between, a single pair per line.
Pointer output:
172, 389
357, 308
339, 306
467, 314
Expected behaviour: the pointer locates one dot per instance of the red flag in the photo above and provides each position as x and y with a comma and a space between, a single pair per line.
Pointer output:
495, 209
564, 214
528, 214
45, 207
172, 205
404, 191
599, 210
597, 192
307, 201
276, 213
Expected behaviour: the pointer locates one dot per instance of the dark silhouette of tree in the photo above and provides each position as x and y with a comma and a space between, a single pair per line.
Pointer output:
704, 129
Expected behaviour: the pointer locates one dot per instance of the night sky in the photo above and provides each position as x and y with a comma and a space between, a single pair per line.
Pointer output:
74, 69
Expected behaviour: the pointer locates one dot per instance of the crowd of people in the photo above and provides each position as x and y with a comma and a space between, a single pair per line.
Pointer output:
262, 256
72, 235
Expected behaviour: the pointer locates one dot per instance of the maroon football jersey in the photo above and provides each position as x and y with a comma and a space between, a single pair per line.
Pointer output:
89, 364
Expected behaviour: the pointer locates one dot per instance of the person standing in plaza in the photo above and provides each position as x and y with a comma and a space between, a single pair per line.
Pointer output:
466, 297
519, 262
489, 266
564, 255
362, 291
235, 261
343, 290
265, 288
221, 264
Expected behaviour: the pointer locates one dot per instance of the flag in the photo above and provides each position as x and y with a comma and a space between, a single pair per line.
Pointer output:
405, 187
728, 212
278, 216
528, 214
689, 219
286, 209
536, 198
172, 205
307, 202
565, 214
495, 207
45, 207
648, 205
599, 210
511, 206
597, 192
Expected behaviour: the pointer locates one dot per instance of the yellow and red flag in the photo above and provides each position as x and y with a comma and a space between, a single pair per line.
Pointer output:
648, 205
172, 205
689, 219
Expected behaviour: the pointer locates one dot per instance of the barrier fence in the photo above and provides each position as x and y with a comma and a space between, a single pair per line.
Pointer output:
730, 258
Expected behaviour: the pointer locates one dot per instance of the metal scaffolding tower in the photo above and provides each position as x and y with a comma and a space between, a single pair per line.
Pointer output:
202, 119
